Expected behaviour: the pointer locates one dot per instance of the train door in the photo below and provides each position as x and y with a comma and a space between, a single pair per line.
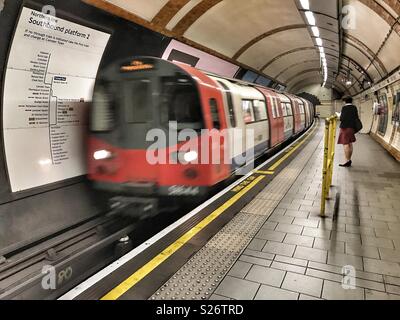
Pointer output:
288, 120
307, 113
302, 114
236, 140
275, 117
296, 115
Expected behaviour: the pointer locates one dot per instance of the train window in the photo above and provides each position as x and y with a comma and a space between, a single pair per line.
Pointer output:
180, 103
289, 109
284, 110
260, 110
396, 112
230, 104
302, 111
248, 113
273, 107
103, 110
138, 103
214, 113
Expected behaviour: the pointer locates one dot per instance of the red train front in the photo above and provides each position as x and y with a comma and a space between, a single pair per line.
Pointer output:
134, 105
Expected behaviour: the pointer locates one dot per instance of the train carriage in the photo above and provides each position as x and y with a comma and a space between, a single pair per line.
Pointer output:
135, 99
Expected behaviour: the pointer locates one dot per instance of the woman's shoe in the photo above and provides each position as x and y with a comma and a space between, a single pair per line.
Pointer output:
346, 165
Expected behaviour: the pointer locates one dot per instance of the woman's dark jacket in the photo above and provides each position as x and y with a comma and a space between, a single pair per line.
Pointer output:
349, 116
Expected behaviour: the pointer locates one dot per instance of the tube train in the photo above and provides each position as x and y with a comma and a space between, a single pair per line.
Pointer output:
133, 97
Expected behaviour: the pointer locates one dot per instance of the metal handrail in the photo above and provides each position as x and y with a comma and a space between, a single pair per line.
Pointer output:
329, 158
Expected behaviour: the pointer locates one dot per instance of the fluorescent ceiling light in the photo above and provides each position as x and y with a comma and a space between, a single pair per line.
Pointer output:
315, 31
321, 49
305, 4
319, 41
310, 18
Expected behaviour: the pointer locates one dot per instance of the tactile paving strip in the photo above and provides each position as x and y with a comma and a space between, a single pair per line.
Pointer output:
201, 275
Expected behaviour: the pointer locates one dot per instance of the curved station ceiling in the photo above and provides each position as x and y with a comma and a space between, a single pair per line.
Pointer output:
347, 45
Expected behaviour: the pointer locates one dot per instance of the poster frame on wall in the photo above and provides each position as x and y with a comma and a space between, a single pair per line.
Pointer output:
70, 18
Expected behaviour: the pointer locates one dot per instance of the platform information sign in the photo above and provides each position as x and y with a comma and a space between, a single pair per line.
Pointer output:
49, 82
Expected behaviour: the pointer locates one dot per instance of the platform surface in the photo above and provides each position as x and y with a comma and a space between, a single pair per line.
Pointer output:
278, 246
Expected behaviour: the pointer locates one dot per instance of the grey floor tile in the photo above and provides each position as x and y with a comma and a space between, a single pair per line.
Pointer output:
311, 223
345, 236
390, 254
279, 248
373, 285
382, 267
266, 234
329, 245
310, 254
280, 219
289, 228
389, 234
294, 261
341, 260
316, 233
362, 251
303, 284
269, 225
254, 260
393, 289
257, 244
218, 297
335, 291
377, 295
288, 267
306, 297
392, 280
258, 254
238, 289
271, 293
360, 230
377, 242
266, 276
296, 214
299, 240
240, 269
324, 275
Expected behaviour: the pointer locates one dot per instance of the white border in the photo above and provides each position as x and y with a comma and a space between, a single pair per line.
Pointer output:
85, 285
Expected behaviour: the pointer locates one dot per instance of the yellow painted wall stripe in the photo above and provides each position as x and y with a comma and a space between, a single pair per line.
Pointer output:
164, 255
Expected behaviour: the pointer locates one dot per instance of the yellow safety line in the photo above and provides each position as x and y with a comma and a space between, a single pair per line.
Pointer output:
264, 172
164, 255
287, 155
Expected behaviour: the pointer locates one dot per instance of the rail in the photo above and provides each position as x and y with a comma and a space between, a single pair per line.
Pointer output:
329, 157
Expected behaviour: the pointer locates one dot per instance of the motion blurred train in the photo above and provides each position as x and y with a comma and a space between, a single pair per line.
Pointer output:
133, 97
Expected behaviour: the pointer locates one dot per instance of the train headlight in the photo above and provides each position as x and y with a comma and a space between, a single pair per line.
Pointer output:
102, 155
190, 156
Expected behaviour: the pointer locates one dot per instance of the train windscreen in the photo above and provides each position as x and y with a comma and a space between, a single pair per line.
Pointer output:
180, 103
103, 109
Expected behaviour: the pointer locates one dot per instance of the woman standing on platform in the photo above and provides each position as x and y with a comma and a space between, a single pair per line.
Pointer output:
349, 125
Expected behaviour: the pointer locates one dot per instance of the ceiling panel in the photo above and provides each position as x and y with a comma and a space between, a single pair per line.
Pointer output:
144, 9
265, 50
296, 69
226, 29
281, 64
391, 52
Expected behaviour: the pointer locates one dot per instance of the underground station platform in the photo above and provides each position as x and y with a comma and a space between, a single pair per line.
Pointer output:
218, 152
263, 238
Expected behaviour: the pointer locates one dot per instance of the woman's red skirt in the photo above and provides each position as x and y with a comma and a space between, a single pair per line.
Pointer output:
346, 136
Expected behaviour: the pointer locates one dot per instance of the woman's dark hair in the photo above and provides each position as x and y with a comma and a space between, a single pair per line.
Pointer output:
348, 99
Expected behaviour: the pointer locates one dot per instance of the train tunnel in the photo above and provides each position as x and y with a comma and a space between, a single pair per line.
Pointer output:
150, 147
